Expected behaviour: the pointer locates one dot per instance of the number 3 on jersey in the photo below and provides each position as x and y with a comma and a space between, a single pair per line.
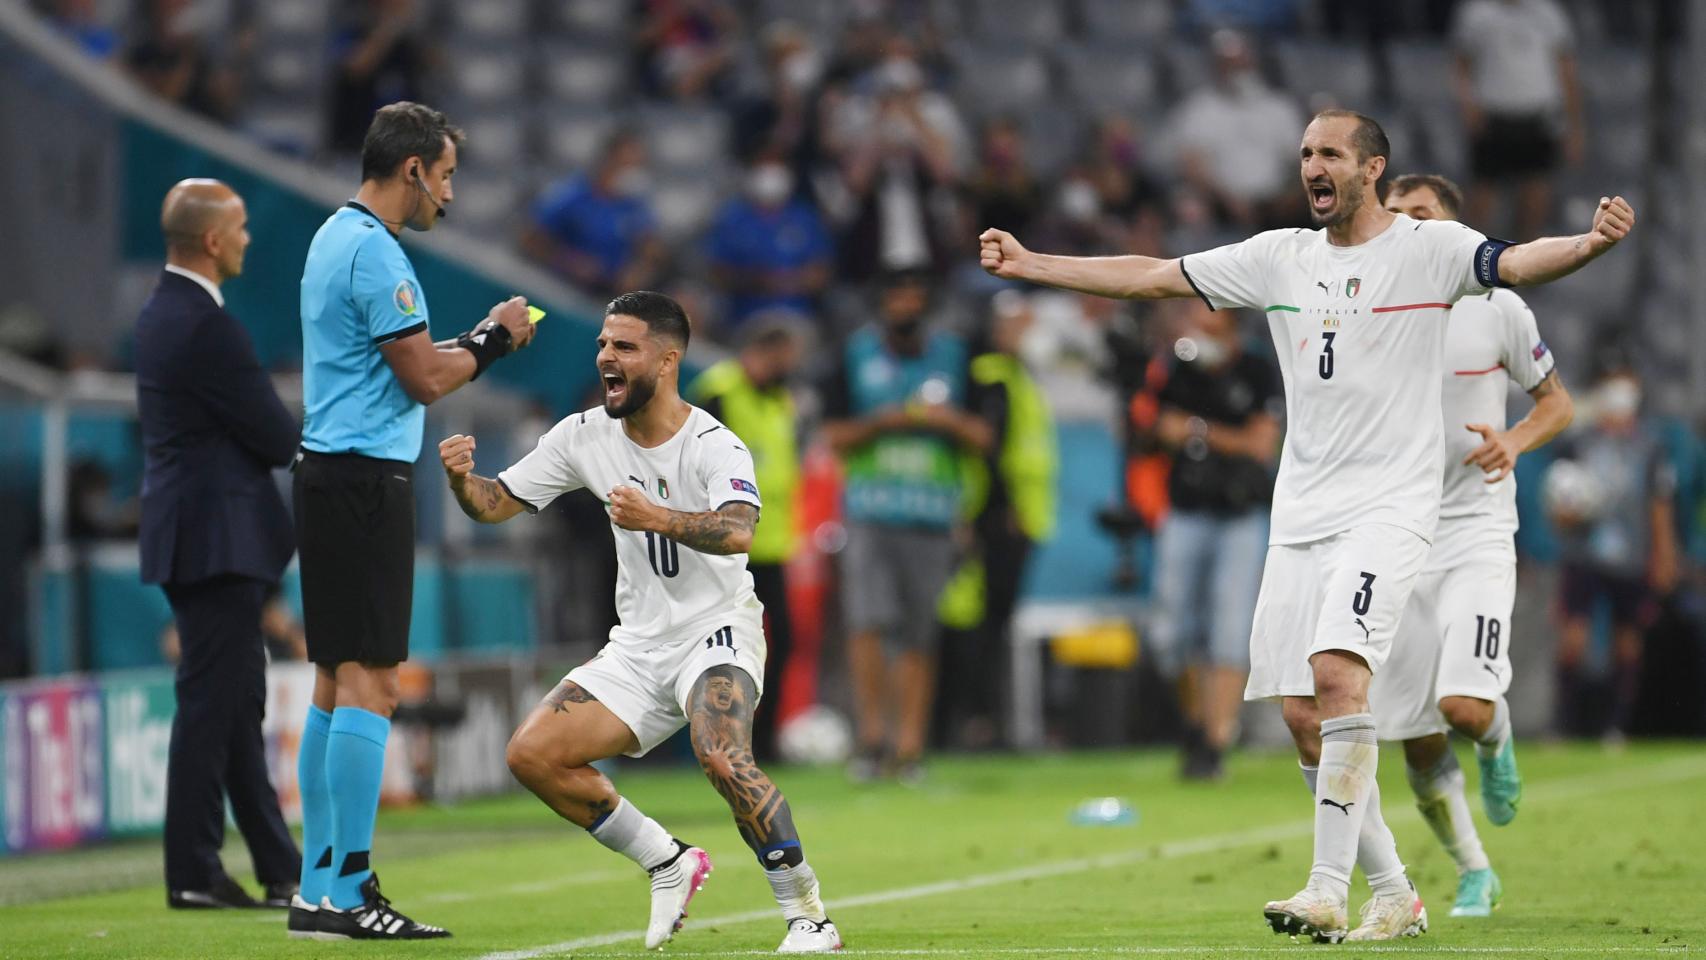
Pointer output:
664, 554
1325, 362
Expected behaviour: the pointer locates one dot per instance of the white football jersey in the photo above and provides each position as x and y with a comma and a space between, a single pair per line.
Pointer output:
662, 587
1491, 342
1360, 335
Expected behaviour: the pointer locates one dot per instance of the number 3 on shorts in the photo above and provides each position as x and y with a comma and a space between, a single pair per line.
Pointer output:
1362, 599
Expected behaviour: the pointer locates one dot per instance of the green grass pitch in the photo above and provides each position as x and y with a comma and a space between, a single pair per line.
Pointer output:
1607, 859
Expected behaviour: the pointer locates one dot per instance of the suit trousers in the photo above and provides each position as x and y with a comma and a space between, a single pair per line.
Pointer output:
216, 748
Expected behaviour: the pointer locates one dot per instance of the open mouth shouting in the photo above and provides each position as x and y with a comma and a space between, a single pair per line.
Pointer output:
615, 387
1322, 197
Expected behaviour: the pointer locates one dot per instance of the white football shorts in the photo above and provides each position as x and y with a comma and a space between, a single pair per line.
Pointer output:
647, 687
1454, 642
1343, 592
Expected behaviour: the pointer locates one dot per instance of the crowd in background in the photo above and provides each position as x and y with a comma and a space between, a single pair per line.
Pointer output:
864, 162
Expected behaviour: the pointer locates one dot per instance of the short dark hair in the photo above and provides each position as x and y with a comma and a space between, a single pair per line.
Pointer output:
662, 316
1369, 138
402, 130
1449, 194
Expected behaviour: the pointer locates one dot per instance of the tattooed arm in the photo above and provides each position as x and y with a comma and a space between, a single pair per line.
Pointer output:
719, 714
722, 531
481, 498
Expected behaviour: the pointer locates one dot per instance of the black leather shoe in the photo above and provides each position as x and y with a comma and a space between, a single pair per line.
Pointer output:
225, 894
277, 895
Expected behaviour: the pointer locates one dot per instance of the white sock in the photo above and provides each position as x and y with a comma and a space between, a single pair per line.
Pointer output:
1439, 795
1350, 755
1488, 744
1377, 849
796, 892
634, 835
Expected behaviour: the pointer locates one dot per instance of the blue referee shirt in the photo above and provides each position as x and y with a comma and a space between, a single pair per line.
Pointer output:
358, 292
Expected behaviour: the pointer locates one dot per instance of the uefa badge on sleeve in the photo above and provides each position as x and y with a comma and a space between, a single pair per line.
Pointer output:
404, 298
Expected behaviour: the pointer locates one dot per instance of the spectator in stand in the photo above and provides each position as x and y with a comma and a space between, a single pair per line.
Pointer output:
900, 146
768, 247
598, 232
1115, 168
1610, 494
1236, 141
782, 119
81, 22
1516, 81
381, 57
1076, 220
1002, 188
1214, 412
175, 63
685, 47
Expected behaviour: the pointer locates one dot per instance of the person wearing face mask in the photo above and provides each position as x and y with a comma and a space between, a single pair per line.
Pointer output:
895, 412
1619, 551
782, 119
1236, 141
750, 394
1214, 410
769, 249
597, 230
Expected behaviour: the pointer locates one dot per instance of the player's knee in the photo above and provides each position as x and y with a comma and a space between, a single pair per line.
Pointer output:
1467, 715
1304, 722
528, 759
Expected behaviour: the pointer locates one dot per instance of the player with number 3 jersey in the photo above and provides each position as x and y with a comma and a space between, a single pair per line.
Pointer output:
1357, 310
689, 649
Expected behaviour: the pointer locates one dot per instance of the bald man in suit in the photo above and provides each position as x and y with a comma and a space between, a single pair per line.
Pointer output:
216, 537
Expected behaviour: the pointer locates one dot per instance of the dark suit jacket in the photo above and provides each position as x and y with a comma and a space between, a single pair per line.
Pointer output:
213, 429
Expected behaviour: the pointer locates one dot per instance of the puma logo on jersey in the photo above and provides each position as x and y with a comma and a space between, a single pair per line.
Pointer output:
724, 637
1489, 668
1345, 808
1364, 627
1323, 285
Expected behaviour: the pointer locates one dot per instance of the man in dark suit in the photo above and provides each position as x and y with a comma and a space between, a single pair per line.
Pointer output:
216, 537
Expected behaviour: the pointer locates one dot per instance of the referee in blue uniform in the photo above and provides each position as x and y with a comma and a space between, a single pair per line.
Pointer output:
370, 367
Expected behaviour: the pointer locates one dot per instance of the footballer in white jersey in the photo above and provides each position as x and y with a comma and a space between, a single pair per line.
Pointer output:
689, 650
1451, 665
1357, 309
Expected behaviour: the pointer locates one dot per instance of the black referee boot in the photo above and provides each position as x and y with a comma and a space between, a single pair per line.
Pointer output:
373, 920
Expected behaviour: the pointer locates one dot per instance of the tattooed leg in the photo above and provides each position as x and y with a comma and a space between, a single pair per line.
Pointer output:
720, 720
552, 750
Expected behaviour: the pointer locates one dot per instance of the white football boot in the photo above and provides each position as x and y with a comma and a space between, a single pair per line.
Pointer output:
673, 885
1392, 916
1311, 913
811, 936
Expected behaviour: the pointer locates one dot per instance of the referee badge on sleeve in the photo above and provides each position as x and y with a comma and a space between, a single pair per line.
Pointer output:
404, 298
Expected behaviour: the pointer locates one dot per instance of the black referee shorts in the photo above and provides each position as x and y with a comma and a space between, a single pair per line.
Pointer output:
355, 534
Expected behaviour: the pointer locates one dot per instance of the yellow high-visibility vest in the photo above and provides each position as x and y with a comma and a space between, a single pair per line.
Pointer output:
764, 420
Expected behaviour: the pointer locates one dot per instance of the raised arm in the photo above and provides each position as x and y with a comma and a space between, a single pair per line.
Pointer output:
1547, 259
721, 532
430, 371
1124, 278
481, 498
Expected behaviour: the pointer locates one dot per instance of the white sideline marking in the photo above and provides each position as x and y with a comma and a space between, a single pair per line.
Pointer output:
1687, 768
1383, 950
523, 889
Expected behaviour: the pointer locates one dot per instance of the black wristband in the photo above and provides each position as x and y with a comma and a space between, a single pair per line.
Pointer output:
488, 346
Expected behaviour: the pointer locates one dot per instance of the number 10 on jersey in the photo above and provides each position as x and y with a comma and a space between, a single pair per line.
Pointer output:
664, 555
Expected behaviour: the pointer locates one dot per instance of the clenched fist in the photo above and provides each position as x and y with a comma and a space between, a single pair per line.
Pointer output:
1612, 221
457, 455
1002, 255
630, 510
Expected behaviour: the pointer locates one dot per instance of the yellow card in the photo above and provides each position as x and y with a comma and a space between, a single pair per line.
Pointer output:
535, 314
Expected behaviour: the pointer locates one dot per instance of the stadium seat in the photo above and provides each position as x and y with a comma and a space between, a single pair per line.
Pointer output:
1344, 72
571, 136
1107, 78
1421, 72
1001, 78
1616, 78
292, 17
489, 19
576, 73
588, 19
1442, 143
486, 74
487, 202
685, 204
496, 138
1125, 21
287, 68
1018, 21
1186, 69
684, 138
288, 126
1053, 139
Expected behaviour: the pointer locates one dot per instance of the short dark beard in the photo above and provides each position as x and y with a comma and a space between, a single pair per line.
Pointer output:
1350, 201
640, 393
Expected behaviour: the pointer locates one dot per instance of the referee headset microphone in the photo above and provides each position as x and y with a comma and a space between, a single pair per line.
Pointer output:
442, 212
